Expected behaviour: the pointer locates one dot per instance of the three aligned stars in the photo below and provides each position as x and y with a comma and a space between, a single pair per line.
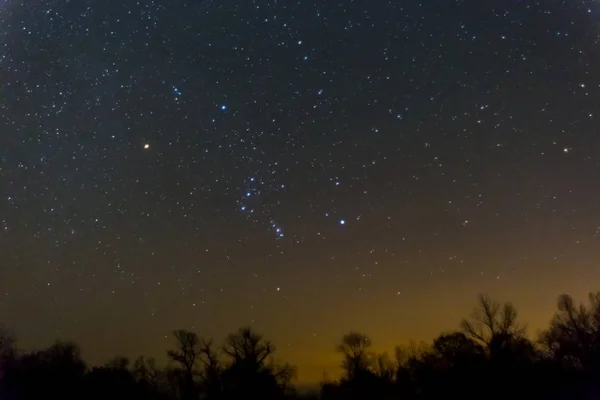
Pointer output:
341, 221
278, 230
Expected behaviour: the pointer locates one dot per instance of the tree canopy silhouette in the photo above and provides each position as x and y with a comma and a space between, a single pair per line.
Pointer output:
251, 370
573, 337
355, 349
489, 357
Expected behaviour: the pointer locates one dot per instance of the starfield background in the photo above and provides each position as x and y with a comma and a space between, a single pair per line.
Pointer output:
302, 168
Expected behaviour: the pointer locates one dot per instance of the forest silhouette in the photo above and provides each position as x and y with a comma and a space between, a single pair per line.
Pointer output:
490, 357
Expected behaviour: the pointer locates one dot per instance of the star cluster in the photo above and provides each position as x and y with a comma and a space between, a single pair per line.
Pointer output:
207, 164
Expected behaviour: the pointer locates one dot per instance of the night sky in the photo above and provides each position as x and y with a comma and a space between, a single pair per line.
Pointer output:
303, 167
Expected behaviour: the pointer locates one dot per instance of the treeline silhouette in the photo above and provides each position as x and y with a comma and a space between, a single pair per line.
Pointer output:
490, 357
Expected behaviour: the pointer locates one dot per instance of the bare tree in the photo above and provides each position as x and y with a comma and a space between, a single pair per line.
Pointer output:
145, 369
283, 373
407, 354
493, 324
355, 347
573, 337
188, 350
212, 369
253, 371
248, 347
384, 367
187, 355
210, 356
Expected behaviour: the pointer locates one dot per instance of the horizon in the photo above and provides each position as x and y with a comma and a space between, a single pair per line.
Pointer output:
331, 369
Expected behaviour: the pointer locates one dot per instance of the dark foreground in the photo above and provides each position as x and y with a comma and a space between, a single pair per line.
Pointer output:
489, 358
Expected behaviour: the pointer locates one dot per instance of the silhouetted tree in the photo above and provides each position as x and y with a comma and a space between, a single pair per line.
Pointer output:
409, 361
491, 358
384, 367
573, 337
199, 369
572, 344
252, 373
212, 370
118, 363
55, 372
366, 374
355, 348
145, 369
512, 356
493, 325
7, 343
248, 347
112, 382
7, 347
8, 354
455, 361
187, 354
456, 348
148, 374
